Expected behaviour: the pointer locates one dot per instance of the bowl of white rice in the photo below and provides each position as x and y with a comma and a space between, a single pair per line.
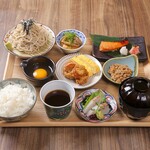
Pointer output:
17, 98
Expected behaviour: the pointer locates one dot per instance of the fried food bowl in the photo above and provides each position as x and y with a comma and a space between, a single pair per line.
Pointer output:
70, 40
17, 99
95, 105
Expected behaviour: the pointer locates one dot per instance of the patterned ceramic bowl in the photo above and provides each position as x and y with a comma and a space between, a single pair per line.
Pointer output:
78, 33
57, 106
90, 113
17, 98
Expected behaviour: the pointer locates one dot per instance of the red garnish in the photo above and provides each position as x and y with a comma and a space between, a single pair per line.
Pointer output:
135, 50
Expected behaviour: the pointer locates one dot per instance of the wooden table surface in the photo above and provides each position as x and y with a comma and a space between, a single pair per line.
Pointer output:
107, 17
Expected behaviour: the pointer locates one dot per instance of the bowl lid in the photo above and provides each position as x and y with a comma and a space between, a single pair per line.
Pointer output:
135, 91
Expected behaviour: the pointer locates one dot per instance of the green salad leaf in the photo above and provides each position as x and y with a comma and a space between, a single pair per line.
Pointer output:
93, 95
102, 97
69, 36
96, 39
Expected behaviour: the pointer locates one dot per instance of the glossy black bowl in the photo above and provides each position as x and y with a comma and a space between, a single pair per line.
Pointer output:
134, 97
33, 63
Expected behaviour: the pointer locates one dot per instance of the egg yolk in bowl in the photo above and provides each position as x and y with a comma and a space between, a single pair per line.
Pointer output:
40, 73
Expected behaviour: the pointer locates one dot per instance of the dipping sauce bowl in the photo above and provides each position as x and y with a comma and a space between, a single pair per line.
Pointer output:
57, 97
38, 70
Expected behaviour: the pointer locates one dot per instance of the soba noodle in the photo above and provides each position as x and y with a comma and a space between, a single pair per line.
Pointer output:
36, 41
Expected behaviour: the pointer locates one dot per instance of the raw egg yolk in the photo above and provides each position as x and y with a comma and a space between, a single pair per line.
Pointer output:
40, 73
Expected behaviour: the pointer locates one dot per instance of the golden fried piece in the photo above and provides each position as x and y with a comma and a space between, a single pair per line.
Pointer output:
68, 70
80, 74
76, 72
82, 80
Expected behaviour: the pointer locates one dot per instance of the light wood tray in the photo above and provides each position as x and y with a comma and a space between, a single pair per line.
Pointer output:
38, 118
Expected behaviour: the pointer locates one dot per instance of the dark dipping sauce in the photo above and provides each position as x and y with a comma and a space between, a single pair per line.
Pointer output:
57, 98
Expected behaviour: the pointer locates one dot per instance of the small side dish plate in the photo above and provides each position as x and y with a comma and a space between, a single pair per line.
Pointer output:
91, 81
131, 61
104, 56
78, 33
112, 106
24, 55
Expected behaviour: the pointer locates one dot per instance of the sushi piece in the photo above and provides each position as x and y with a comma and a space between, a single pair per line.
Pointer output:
106, 46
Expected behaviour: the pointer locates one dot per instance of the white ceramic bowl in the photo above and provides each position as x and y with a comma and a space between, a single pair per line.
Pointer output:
78, 33
26, 86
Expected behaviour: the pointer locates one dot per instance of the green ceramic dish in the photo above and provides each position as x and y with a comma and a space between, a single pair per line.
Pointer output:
131, 61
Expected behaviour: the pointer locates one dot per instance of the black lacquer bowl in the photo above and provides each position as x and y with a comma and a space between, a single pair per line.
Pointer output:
36, 62
134, 97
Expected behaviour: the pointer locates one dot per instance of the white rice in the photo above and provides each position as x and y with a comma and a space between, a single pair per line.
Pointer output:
15, 100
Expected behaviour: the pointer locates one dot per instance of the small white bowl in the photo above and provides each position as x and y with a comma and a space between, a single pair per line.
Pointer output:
78, 33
